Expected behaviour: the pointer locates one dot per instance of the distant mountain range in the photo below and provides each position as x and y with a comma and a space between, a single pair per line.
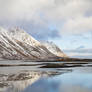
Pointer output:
16, 44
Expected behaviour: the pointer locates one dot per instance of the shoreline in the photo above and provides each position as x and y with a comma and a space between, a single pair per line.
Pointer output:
66, 63
49, 60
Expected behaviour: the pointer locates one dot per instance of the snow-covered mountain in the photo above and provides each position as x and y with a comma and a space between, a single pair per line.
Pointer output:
54, 49
21, 35
17, 44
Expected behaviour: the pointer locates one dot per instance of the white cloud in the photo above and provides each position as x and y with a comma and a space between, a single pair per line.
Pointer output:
50, 8
78, 25
71, 16
19, 9
68, 9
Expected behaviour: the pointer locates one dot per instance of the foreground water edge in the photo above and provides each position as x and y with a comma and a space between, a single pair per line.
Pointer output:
39, 78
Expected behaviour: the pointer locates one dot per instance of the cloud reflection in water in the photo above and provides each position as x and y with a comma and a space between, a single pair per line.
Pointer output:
70, 82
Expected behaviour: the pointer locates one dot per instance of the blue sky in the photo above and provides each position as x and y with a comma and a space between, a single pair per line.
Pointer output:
68, 23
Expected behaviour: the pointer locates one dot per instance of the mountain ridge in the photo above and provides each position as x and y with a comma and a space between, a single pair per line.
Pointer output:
17, 44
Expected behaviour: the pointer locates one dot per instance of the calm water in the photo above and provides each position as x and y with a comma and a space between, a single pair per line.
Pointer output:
76, 77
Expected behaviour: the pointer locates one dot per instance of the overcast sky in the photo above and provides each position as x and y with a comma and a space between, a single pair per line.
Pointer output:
68, 23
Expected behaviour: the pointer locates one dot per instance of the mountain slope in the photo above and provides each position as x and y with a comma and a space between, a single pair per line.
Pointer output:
22, 36
17, 44
9, 49
54, 49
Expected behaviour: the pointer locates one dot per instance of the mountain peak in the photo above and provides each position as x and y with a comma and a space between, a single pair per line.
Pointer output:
16, 30
17, 44
21, 35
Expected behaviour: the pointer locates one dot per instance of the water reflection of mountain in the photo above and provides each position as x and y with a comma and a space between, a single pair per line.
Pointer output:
17, 82
68, 82
76, 79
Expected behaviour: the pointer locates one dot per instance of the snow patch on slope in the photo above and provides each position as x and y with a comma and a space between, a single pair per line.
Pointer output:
54, 49
22, 36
